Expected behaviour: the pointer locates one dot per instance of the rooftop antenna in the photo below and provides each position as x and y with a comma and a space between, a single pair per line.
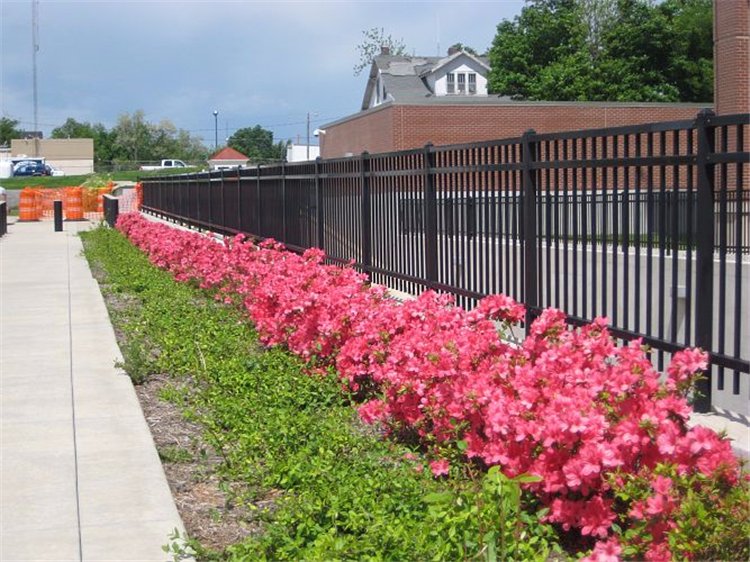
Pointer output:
34, 51
437, 32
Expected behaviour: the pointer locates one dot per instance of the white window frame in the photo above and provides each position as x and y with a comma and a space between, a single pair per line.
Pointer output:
472, 83
450, 83
461, 83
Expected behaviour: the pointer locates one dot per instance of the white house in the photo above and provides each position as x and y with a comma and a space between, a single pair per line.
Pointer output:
404, 79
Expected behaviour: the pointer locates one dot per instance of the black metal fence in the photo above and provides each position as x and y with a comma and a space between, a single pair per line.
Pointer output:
648, 225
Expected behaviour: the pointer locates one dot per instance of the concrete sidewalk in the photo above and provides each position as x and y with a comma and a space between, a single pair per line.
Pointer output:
81, 479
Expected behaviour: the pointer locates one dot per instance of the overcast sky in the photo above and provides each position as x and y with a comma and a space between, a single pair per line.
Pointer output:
267, 63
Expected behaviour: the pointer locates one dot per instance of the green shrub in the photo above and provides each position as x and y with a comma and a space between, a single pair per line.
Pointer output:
340, 491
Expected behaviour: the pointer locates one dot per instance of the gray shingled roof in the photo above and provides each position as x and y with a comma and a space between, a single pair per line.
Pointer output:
405, 77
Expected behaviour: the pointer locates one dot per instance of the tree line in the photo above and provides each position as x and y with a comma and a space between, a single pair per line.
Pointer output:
592, 50
134, 140
606, 50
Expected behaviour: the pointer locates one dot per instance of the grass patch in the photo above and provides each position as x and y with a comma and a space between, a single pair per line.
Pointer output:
174, 454
66, 181
42, 181
321, 485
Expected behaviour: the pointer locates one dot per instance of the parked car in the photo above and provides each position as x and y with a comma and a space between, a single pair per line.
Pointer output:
55, 171
165, 165
31, 168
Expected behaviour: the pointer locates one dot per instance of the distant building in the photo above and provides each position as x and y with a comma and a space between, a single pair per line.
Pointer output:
302, 152
73, 156
410, 101
459, 77
227, 159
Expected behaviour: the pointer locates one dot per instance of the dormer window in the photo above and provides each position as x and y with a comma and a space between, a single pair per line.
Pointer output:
461, 83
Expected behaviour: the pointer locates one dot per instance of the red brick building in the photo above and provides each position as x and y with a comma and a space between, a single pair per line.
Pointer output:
732, 56
394, 126
404, 106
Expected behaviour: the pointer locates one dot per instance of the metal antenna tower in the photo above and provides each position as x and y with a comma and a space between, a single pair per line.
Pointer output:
34, 50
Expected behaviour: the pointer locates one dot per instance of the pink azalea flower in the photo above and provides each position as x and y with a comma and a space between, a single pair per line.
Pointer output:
439, 467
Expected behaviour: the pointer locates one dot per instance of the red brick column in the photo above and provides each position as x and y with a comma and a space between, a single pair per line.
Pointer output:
731, 56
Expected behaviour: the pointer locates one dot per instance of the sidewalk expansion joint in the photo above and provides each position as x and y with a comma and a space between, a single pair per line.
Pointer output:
73, 399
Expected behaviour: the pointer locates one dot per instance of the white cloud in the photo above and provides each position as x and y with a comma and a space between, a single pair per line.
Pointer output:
257, 62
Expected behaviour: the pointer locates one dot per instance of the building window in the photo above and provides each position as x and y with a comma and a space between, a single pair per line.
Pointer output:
461, 83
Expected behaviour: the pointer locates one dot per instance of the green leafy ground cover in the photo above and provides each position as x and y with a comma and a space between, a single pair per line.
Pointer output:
341, 491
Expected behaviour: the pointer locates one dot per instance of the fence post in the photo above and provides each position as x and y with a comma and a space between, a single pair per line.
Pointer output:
239, 200
283, 202
58, 213
210, 199
528, 230
430, 215
222, 192
3, 218
111, 210
704, 262
364, 170
319, 203
258, 210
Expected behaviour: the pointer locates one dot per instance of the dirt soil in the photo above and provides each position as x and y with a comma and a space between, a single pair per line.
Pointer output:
209, 513
209, 509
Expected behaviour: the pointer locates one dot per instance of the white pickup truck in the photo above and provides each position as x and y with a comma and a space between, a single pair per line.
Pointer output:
165, 164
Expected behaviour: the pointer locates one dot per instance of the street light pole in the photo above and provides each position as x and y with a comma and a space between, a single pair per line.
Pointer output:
216, 129
314, 114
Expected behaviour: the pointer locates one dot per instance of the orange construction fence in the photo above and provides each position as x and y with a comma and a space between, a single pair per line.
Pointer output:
79, 203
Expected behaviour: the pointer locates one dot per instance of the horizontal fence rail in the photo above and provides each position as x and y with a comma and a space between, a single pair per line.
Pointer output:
648, 225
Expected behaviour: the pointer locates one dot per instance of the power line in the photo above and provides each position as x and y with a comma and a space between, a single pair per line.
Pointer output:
233, 129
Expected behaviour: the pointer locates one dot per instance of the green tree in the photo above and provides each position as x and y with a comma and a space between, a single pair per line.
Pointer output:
465, 48
544, 33
134, 139
73, 129
8, 130
103, 139
372, 43
605, 50
692, 66
257, 144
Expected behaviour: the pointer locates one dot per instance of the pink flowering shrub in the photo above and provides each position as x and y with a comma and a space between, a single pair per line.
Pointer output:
569, 406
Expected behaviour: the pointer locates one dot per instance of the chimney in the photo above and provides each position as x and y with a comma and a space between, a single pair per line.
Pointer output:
453, 50
384, 50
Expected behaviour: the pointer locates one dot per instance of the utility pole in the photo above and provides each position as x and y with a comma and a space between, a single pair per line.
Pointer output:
315, 114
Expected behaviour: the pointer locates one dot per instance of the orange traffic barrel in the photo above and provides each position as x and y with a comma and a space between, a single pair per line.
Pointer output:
73, 204
27, 205
138, 195
38, 204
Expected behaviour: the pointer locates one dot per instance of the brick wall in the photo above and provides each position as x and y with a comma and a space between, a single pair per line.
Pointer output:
371, 131
401, 127
732, 56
